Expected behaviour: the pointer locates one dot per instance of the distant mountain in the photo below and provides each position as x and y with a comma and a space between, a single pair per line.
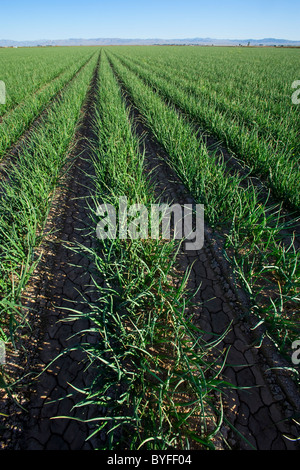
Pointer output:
118, 41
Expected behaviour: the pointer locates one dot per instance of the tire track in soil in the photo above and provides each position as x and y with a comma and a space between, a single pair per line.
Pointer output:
262, 413
59, 283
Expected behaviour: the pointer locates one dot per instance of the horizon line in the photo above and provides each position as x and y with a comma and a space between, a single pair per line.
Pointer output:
151, 39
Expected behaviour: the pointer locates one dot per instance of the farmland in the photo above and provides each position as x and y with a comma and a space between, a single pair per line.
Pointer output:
136, 343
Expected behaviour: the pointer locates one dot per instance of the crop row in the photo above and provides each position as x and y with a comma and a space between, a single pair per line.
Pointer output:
25, 71
255, 85
250, 228
153, 377
27, 192
266, 142
16, 122
233, 78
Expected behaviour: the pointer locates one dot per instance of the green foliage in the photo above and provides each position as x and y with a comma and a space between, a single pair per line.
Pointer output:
27, 192
153, 372
252, 229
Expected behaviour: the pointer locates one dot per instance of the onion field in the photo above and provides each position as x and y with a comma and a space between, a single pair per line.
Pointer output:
133, 343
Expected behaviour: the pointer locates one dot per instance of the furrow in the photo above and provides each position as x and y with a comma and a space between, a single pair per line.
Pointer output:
237, 214
215, 309
60, 282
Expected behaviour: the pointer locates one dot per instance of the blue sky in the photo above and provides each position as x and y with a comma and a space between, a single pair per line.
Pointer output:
232, 19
